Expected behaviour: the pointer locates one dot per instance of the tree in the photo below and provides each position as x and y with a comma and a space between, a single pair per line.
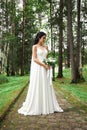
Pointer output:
7, 44
60, 74
12, 20
68, 41
78, 56
23, 38
70, 36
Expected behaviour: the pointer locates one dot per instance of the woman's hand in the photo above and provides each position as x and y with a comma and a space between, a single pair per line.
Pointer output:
46, 66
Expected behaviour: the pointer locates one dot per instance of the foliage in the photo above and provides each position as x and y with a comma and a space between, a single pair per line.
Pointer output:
85, 56
3, 79
38, 15
12, 31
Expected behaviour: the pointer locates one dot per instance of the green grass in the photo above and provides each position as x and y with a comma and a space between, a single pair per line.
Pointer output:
10, 90
79, 89
74, 93
3, 79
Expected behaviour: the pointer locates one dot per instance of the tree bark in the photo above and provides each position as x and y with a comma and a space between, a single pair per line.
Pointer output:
7, 44
52, 49
13, 33
68, 43
78, 57
23, 39
60, 74
70, 36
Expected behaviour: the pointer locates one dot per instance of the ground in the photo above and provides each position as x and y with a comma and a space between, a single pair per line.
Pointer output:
70, 119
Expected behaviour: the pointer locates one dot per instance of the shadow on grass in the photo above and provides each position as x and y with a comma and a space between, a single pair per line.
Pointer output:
82, 109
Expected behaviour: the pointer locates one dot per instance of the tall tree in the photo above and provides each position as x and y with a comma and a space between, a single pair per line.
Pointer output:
68, 41
60, 74
52, 49
0, 37
23, 38
70, 35
79, 57
7, 28
13, 34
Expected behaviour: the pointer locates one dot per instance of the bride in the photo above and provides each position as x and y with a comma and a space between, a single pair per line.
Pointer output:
40, 98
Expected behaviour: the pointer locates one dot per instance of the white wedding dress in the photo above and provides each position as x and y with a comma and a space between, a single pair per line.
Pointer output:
40, 98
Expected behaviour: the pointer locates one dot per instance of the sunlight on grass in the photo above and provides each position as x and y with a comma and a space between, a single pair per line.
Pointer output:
76, 97
79, 90
9, 90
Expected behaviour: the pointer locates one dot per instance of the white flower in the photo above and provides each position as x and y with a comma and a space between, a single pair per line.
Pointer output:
50, 61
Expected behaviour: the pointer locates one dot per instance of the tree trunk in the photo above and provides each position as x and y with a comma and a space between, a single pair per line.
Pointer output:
7, 44
23, 40
7, 68
53, 68
60, 75
1, 34
70, 36
0, 61
13, 33
68, 44
51, 25
78, 57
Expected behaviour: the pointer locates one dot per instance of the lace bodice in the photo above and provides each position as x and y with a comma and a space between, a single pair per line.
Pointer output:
41, 54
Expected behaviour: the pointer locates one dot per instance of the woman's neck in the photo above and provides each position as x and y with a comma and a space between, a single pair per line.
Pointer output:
40, 44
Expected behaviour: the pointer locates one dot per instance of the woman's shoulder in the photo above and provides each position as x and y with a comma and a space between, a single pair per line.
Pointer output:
34, 46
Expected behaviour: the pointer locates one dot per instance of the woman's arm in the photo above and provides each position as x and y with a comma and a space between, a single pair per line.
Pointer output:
34, 54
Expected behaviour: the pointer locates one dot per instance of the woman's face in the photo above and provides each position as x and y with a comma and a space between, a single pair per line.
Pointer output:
42, 39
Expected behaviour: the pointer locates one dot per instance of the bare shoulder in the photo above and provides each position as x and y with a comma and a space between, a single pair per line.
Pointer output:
34, 47
46, 47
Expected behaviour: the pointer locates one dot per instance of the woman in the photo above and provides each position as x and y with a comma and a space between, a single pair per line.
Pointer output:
40, 98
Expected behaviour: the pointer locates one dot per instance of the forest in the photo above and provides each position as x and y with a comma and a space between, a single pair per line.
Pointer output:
65, 23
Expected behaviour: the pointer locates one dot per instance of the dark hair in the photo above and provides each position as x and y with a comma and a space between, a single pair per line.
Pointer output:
38, 36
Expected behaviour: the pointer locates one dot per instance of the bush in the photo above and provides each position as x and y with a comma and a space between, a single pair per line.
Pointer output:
3, 79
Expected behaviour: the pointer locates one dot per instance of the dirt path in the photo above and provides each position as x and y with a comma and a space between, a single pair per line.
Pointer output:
70, 119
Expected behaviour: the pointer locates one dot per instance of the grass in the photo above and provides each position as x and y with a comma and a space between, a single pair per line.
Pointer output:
10, 90
75, 93
3, 79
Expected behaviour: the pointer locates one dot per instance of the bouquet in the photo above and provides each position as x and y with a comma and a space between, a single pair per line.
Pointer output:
50, 61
